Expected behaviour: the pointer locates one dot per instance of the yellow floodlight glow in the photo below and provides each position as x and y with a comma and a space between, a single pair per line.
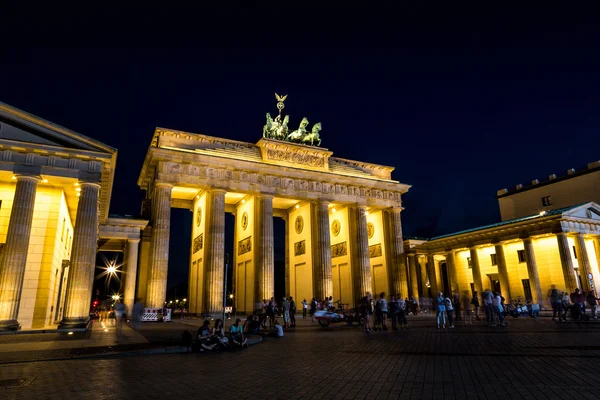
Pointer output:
14, 177
333, 210
297, 206
45, 180
243, 201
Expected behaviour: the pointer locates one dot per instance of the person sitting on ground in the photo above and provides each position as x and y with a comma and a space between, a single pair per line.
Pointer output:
277, 330
237, 334
218, 334
203, 337
252, 325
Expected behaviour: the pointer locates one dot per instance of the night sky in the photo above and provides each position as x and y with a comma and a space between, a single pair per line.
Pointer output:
462, 105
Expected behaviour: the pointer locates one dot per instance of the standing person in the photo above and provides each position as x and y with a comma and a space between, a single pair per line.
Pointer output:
457, 306
441, 310
468, 310
592, 301
292, 312
285, 305
137, 313
556, 301
364, 309
120, 310
304, 308
487, 297
449, 311
393, 311
384, 310
498, 308
313, 309
475, 304
271, 312
402, 312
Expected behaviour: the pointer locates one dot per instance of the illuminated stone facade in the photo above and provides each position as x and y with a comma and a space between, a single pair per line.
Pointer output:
55, 189
522, 258
343, 228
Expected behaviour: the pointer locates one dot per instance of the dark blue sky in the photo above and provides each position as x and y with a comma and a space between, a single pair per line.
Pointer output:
462, 105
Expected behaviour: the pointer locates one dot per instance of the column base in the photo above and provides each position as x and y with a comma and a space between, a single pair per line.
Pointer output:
75, 323
10, 325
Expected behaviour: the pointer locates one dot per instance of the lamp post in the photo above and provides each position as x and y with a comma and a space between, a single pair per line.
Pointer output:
225, 287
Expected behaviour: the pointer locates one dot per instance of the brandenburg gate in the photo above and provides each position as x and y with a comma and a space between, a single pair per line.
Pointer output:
343, 227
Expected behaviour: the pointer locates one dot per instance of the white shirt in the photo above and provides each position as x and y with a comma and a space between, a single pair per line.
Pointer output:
304, 304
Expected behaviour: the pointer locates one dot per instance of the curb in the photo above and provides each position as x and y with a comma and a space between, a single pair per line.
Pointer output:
130, 353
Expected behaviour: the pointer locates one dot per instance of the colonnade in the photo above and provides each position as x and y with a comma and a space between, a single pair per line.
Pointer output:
83, 254
430, 264
214, 245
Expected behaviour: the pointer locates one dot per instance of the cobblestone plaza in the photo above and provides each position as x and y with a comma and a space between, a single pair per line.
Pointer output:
528, 359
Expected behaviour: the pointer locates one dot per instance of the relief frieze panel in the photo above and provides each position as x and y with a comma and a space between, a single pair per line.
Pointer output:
273, 181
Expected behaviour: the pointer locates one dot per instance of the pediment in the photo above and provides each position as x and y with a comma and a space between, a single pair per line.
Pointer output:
21, 127
589, 210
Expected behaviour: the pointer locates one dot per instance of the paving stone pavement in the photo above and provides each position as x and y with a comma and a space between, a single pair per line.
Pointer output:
530, 359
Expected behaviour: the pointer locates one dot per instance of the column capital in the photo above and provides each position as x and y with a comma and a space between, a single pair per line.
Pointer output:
413, 255
527, 240
130, 240
163, 184
83, 184
395, 209
216, 191
25, 177
323, 202
265, 196
362, 207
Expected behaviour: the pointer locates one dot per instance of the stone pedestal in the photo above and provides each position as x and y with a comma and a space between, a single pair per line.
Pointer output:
159, 259
567, 262
131, 273
14, 259
414, 284
432, 277
83, 260
397, 270
503, 272
534, 278
265, 264
451, 270
476, 270
214, 254
321, 243
583, 260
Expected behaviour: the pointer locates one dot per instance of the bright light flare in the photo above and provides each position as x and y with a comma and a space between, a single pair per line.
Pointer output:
110, 270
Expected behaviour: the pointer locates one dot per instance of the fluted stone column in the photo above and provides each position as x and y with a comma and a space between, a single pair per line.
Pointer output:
286, 219
83, 259
532, 271
432, 277
398, 278
476, 270
14, 259
597, 251
214, 253
265, 264
567, 262
452, 273
159, 259
503, 272
131, 273
359, 237
414, 284
321, 243
583, 260
423, 266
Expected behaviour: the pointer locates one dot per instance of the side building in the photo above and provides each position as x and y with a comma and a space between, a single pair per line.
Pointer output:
55, 191
549, 238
